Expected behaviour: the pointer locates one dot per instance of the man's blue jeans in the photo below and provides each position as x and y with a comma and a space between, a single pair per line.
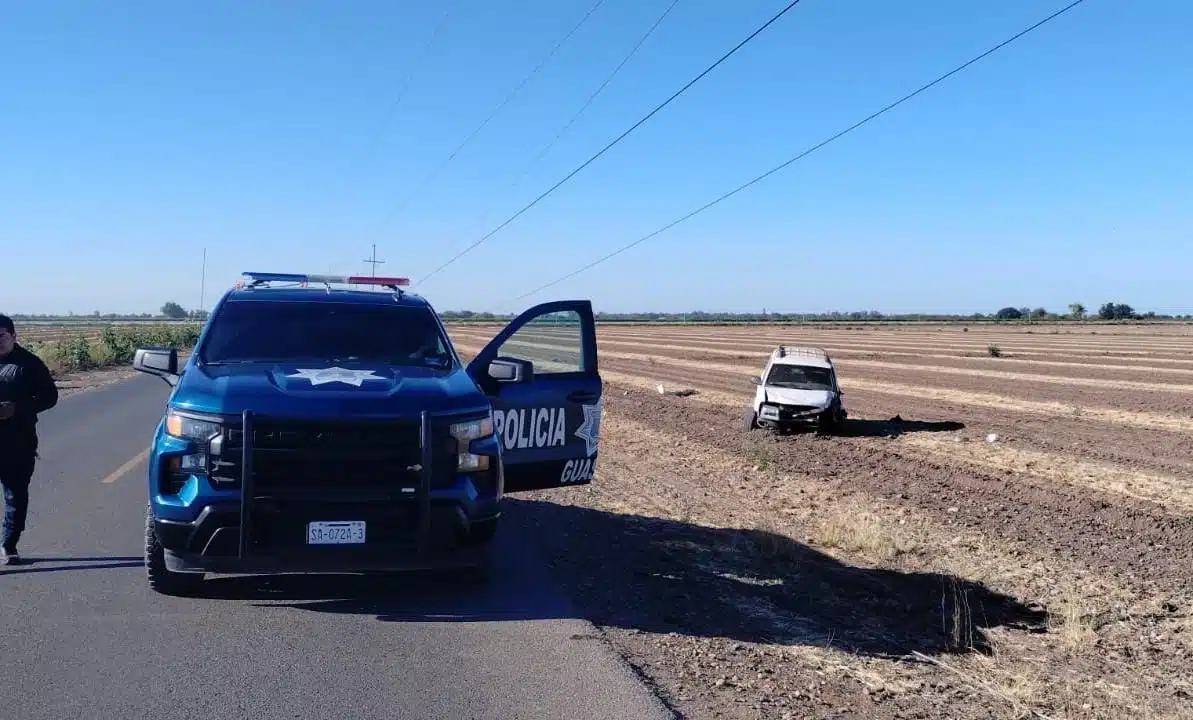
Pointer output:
16, 470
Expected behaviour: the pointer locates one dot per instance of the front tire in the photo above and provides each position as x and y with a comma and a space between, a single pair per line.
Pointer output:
161, 579
481, 573
482, 532
477, 571
831, 421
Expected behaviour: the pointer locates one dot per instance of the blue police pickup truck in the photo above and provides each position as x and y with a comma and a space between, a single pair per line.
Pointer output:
319, 427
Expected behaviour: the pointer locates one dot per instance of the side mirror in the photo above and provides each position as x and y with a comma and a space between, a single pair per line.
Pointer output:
509, 370
755, 380
159, 361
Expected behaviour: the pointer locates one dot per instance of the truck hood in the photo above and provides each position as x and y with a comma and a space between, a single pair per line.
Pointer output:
792, 396
324, 389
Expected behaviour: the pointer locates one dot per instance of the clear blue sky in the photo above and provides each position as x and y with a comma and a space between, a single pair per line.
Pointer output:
134, 134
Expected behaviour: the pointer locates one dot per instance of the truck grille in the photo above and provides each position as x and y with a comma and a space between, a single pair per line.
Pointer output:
330, 455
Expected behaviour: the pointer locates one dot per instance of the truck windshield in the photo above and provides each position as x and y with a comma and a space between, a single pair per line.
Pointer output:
259, 330
801, 377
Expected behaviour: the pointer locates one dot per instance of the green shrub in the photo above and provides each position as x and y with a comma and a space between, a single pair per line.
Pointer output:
67, 355
76, 354
120, 346
115, 345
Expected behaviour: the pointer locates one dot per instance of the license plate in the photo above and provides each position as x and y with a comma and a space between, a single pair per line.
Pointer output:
342, 532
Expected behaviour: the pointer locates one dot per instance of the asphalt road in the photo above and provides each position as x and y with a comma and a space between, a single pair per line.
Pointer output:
82, 636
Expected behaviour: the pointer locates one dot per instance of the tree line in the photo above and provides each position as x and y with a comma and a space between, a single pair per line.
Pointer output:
169, 311
1076, 311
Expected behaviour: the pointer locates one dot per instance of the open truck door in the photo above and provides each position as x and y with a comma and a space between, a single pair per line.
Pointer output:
541, 375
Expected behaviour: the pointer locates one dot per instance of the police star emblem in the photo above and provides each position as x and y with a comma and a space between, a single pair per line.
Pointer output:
322, 376
590, 430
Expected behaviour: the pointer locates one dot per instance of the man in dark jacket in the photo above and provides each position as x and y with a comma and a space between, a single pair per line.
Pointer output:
26, 389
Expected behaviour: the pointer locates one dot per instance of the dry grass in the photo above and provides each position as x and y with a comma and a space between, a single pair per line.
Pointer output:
1074, 623
1020, 690
861, 534
1167, 491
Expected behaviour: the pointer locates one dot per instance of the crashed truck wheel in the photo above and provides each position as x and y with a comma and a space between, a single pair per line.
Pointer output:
831, 421
750, 421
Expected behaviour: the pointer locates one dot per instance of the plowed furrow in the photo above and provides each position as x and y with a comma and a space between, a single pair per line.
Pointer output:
1067, 430
1156, 486
952, 345
1095, 405
725, 569
1128, 377
1137, 475
1133, 537
1131, 372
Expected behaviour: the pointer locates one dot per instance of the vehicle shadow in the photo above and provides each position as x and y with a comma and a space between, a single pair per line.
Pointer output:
872, 428
38, 564
665, 576
894, 427
519, 589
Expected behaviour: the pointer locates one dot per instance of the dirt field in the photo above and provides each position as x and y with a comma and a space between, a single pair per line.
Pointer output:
904, 569
29, 334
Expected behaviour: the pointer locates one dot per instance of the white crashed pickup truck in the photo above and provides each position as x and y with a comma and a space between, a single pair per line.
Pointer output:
797, 387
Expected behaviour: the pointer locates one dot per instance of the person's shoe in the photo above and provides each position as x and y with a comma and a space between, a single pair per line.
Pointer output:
9, 558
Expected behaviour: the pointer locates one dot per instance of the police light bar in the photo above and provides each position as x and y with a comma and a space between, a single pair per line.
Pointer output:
258, 277
373, 280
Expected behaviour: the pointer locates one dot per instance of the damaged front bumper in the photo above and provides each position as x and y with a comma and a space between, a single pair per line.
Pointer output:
778, 414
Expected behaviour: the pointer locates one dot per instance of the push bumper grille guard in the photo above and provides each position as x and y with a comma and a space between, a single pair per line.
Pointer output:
423, 494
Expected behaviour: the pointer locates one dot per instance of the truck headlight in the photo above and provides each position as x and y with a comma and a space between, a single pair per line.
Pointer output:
191, 428
466, 432
468, 462
768, 412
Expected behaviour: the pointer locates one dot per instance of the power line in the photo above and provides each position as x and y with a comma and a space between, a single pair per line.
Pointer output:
803, 154
591, 98
422, 55
616, 140
484, 123
375, 139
